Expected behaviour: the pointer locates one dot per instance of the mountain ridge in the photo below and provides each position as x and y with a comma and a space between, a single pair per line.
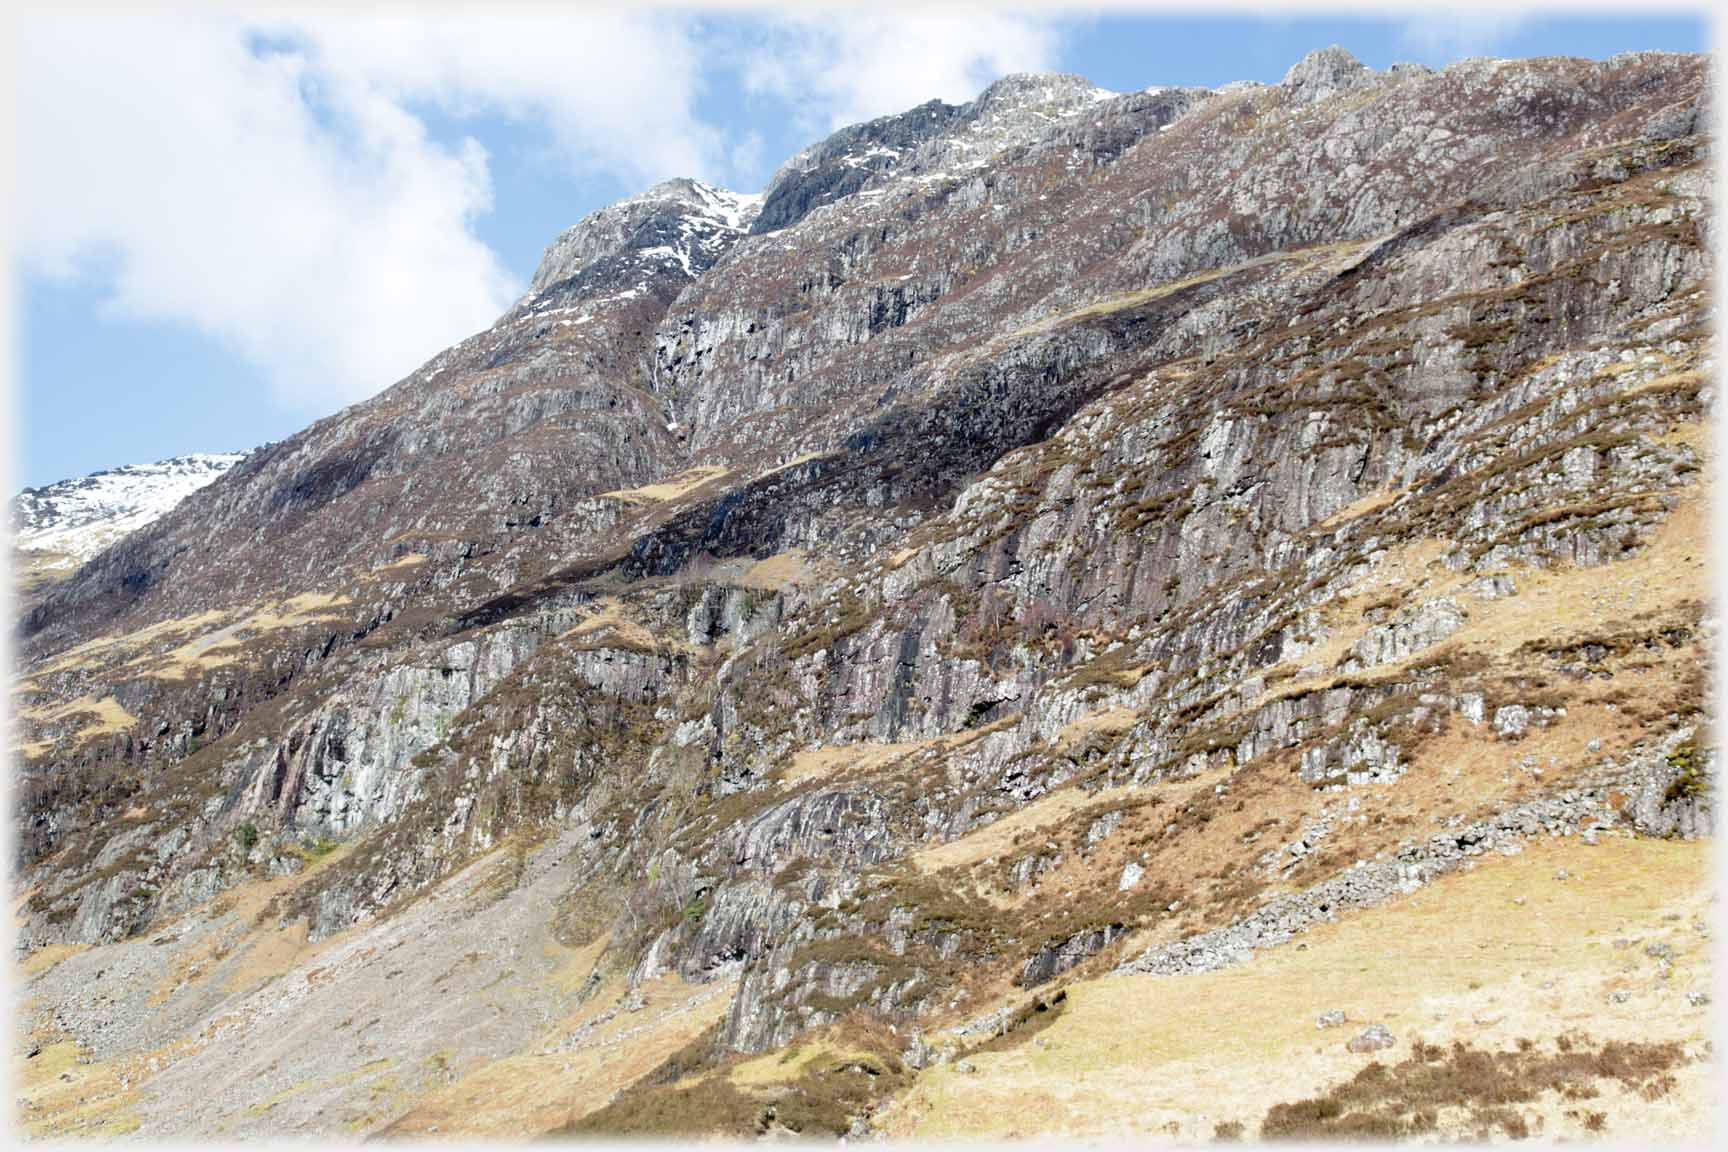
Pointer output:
58, 526
1031, 561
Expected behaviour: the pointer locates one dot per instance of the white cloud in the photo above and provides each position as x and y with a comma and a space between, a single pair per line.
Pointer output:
842, 71
1441, 37
269, 180
287, 201
616, 89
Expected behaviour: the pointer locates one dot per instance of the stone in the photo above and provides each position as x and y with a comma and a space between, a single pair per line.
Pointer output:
1325, 73
1131, 874
1511, 720
1374, 1038
1054, 958
1429, 623
1331, 1018
1102, 827
1494, 587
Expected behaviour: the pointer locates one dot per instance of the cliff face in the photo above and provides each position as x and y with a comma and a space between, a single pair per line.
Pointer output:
1059, 532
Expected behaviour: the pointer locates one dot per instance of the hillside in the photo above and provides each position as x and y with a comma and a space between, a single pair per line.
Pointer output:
57, 527
924, 648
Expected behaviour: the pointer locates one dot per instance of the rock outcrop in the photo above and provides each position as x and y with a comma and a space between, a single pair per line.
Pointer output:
1040, 532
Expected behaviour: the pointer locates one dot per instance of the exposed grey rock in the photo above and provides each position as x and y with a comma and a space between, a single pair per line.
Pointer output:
1511, 720
1495, 586
1074, 407
1102, 827
1374, 1038
1325, 73
678, 222
1431, 622
844, 162
1674, 787
1056, 957
1369, 883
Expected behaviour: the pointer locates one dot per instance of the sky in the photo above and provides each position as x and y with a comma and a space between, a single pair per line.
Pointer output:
229, 224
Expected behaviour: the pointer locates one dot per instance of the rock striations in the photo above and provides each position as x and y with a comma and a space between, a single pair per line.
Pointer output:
1064, 533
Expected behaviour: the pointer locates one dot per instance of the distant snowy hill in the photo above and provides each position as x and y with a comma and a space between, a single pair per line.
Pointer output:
71, 521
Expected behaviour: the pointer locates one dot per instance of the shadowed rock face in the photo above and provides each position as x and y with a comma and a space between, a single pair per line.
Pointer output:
843, 163
806, 570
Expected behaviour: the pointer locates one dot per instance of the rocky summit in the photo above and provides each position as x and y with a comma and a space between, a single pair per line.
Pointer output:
1181, 613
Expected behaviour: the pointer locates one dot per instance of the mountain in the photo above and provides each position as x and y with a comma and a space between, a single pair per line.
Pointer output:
1070, 588
59, 526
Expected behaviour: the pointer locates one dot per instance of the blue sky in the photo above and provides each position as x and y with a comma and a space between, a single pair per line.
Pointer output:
230, 228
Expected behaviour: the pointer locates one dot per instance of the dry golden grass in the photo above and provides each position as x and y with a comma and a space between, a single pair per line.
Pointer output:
411, 560
1372, 502
261, 947
998, 839
671, 489
836, 761
1558, 603
1490, 956
226, 644
92, 654
36, 569
832, 761
778, 571
531, 1093
1657, 383
105, 714
1553, 604
44, 958
1320, 254
610, 620
59, 1095
96, 717
782, 1066
63, 1091
801, 458
573, 966
1110, 722
203, 641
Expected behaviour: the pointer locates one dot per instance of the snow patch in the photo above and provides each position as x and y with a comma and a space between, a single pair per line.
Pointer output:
78, 518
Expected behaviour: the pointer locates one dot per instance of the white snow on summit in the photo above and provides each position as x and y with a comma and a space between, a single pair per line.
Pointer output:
75, 519
705, 220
